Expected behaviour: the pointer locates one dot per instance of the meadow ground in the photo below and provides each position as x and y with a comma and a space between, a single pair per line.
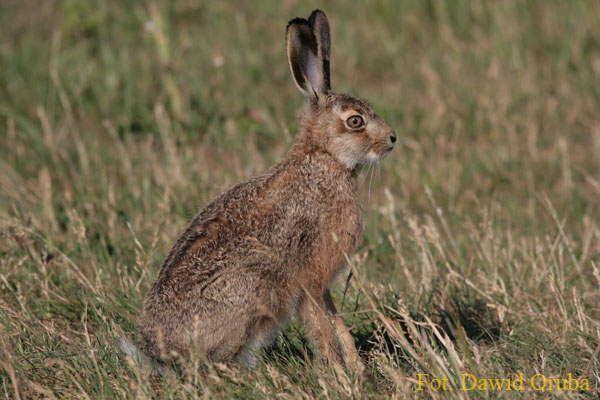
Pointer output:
120, 120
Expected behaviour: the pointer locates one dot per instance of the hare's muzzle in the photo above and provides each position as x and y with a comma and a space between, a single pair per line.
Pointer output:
393, 137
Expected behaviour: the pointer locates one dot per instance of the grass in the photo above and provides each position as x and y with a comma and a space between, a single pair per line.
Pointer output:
119, 121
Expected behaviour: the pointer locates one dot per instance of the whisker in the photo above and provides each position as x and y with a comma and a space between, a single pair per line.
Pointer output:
370, 181
362, 181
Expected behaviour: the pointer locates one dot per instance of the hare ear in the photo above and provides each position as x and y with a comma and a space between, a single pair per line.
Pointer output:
305, 63
318, 20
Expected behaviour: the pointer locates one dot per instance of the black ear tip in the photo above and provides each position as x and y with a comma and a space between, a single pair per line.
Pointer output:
314, 15
297, 21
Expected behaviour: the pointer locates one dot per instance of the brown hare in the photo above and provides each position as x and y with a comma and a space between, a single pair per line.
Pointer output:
269, 248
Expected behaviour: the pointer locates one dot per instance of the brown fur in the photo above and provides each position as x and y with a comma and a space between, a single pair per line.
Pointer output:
269, 248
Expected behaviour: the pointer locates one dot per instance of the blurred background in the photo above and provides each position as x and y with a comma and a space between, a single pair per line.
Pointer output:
120, 120
489, 98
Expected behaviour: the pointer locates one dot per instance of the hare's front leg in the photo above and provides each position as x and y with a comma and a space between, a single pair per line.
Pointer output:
327, 331
349, 352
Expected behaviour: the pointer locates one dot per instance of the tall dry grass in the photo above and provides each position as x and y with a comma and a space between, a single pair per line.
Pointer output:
482, 245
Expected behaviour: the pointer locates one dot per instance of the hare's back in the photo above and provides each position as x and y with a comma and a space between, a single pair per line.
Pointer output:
250, 230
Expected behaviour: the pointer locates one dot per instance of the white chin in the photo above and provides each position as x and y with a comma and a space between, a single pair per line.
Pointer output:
372, 157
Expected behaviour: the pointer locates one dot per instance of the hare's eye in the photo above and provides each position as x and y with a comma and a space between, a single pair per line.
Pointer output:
355, 122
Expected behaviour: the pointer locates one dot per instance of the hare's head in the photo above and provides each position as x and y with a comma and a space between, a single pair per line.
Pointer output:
343, 125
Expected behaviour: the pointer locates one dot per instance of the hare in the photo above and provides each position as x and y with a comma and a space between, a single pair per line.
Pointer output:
269, 248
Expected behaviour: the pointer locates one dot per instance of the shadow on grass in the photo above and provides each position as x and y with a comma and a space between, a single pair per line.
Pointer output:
458, 313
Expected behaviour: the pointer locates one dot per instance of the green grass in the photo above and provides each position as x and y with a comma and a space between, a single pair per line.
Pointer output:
120, 120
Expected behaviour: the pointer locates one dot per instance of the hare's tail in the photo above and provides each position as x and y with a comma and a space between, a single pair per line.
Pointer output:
129, 348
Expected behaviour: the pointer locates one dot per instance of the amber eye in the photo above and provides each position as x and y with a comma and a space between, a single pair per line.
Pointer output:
355, 122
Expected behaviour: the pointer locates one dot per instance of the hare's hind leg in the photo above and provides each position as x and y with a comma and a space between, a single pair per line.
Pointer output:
260, 335
327, 331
